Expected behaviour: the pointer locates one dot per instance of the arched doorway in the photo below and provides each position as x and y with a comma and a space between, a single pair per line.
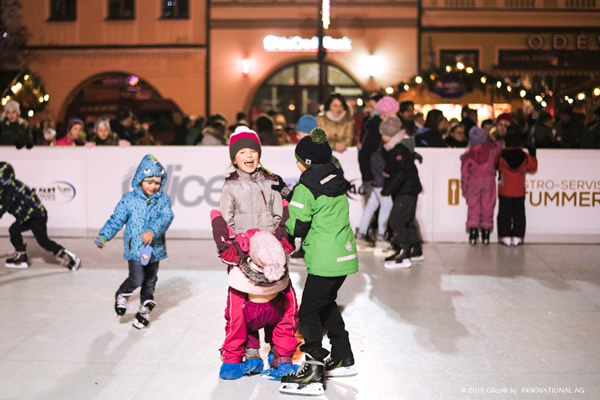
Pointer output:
104, 94
294, 90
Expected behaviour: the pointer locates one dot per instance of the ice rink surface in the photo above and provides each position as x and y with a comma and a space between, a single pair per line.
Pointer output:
466, 323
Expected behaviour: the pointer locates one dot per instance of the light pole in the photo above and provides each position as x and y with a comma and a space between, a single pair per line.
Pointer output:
323, 23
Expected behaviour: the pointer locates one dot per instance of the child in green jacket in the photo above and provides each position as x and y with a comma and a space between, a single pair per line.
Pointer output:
319, 214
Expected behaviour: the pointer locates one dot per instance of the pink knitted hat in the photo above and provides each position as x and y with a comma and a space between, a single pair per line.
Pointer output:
267, 253
243, 138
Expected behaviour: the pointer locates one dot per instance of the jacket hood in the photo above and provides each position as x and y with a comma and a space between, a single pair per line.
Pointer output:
325, 179
7, 174
479, 153
514, 156
149, 166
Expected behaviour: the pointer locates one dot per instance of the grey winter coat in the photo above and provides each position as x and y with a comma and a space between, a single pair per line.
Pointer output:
249, 202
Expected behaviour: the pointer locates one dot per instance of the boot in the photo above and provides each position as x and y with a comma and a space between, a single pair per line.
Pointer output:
17, 261
473, 236
485, 236
69, 259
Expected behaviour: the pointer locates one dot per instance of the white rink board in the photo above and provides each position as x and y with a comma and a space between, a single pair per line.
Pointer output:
81, 186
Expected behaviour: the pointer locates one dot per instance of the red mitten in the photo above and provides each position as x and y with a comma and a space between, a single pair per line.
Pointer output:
243, 240
222, 234
230, 256
287, 246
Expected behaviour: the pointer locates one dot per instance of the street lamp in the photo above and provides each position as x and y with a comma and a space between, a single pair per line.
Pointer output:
323, 23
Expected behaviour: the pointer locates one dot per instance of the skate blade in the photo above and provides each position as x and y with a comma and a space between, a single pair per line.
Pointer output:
417, 258
341, 371
138, 325
312, 389
17, 266
395, 265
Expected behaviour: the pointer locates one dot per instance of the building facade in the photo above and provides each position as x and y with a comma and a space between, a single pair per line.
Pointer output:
225, 56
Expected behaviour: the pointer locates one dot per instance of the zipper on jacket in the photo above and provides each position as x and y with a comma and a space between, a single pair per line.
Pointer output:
263, 196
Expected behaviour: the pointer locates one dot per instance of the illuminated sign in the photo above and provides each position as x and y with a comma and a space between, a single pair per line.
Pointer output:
300, 44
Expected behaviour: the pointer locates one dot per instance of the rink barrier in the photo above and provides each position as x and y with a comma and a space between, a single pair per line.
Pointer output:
81, 186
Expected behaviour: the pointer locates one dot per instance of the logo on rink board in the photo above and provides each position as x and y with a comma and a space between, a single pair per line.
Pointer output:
58, 191
453, 192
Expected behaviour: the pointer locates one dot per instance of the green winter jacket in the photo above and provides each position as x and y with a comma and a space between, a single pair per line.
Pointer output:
319, 213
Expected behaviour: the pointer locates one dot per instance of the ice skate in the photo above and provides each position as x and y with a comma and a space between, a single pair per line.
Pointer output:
473, 236
340, 367
121, 303
297, 257
362, 244
142, 318
485, 236
308, 380
507, 241
383, 248
69, 260
398, 260
416, 253
516, 241
17, 261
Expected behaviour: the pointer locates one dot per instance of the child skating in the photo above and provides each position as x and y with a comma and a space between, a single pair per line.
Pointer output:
319, 214
478, 184
249, 204
146, 213
513, 164
20, 201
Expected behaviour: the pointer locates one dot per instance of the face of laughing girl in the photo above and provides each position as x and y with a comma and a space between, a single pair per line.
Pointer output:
246, 160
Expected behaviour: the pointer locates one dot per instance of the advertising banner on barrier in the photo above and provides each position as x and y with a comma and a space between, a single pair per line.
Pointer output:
81, 186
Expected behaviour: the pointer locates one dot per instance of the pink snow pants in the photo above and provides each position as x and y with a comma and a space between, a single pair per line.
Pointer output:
481, 197
237, 332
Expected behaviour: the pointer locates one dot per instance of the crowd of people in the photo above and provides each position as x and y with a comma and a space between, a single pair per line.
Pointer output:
344, 127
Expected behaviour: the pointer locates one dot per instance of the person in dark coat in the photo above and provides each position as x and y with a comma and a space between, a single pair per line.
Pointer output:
14, 130
591, 136
403, 184
431, 134
541, 131
21, 202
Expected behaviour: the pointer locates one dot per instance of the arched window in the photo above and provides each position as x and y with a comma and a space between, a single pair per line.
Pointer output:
104, 94
294, 90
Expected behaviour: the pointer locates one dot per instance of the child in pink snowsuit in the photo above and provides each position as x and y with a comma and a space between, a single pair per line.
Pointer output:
478, 183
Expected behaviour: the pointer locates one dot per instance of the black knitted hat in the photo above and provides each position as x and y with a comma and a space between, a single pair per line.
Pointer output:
314, 149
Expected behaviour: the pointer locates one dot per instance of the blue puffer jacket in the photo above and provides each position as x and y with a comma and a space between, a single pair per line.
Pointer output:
142, 213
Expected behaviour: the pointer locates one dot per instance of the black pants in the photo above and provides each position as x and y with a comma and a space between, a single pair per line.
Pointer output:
38, 228
146, 277
511, 217
319, 311
402, 222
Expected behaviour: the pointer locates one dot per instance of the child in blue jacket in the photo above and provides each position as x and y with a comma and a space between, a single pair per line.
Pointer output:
146, 212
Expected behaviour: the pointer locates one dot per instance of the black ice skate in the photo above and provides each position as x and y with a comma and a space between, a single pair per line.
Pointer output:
398, 260
416, 253
17, 261
121, 303
69, 260
340, 367
142, 318
473, 236
485, 236
308, 380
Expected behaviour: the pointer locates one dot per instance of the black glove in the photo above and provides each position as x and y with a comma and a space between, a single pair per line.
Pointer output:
29, 145
418, 157
532, 150
19, 144
281, 187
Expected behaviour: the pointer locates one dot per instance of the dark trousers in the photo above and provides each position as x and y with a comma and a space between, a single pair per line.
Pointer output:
38, 228
146, 277
402, 222
511, 217
319, 311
